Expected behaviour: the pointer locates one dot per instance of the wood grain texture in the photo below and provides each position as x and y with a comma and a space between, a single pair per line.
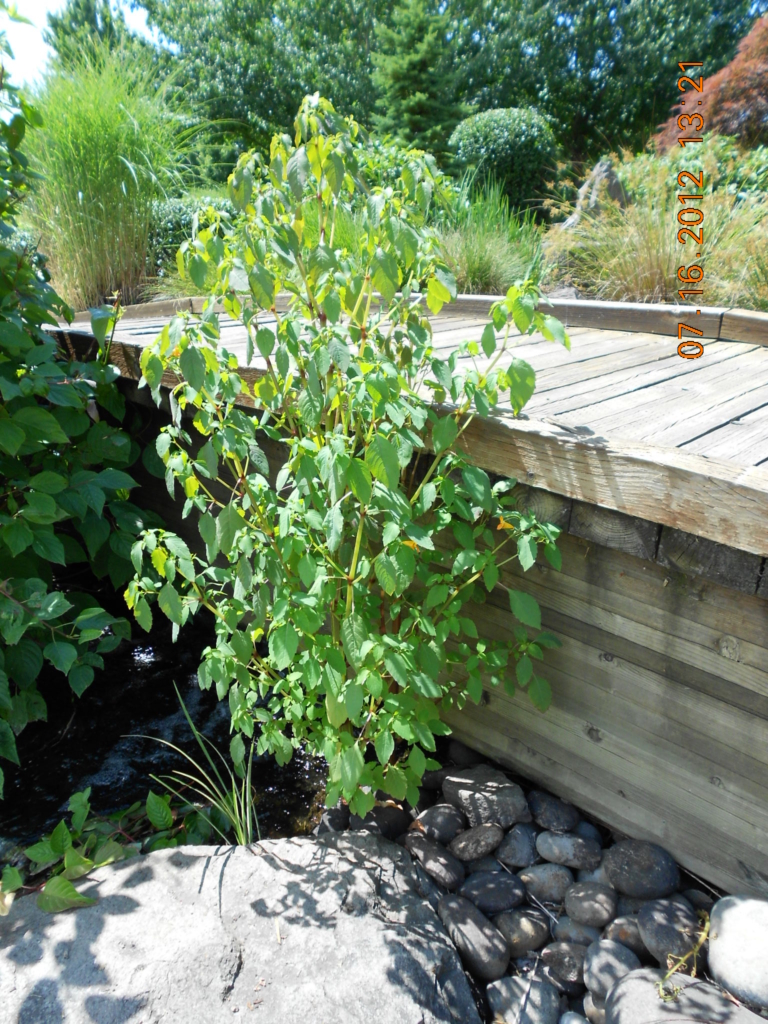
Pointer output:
614, 529
696, 555
714, 498
745, 325
659, 720
547, 507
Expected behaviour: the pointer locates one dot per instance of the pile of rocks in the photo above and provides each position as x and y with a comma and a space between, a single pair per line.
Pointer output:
556, 927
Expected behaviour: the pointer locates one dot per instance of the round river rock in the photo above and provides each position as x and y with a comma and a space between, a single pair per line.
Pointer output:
476, 842
626, 930
566, 961
481, 946
667, 926
738, 947
569, 849
605, 963
635, 1000
591, 903
436, 860
384, 820
551, 813
442, 822
637, 868
518, 849
525, 929
493, 892
567, 930
485, 794
546, 882
524, 1001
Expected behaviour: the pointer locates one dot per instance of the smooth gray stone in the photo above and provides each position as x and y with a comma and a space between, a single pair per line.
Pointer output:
635, 1000
493, 892
442, 822
462, 755
567, 930
630, 905
605, 963
598, 875
482, 946
383, 820
738, 947
668, 927
626, 930
439, 864
518, 849
587, 830
523, 1001
551, 813
641, 869
572, 1018
191, 934
476, 842
485, 794
483, 864
699, 900
591, 903
566, 960
569, 849
525, 929
594, 1009
547, 882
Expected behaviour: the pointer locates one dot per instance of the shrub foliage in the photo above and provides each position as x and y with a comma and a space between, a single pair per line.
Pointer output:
63, 461
514, 145
342, 587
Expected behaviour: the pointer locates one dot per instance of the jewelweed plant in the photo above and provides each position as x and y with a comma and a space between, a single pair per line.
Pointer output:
342, 588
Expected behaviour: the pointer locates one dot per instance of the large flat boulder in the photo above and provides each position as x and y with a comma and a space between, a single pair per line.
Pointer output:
334, 929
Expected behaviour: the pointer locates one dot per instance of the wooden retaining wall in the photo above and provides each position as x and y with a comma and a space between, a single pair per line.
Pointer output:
659, 717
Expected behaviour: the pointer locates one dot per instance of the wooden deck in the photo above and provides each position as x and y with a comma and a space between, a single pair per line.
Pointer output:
620, 421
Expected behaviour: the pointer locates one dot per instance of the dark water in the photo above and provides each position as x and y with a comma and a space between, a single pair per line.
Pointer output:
85, 742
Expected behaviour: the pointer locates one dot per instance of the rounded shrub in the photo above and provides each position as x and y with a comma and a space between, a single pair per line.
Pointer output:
515, 145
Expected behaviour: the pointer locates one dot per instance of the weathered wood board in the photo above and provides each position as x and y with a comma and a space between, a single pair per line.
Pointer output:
659, 717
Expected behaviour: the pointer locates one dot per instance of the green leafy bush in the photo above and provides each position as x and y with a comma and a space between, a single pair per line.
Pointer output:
515, 145
343, 586
63, 462
173, 221
382, 159
111, 145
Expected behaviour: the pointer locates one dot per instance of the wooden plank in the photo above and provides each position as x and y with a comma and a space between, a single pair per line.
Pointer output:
745, 325
624, 399
724, 503
615, 529
691, 554
746, 438
762, 586
701, 649
651, 318
686, 606
547, 507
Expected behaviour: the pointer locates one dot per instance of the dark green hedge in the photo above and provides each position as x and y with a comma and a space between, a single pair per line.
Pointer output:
514, 144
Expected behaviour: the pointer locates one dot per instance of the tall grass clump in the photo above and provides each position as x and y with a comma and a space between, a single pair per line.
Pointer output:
632, 254
112, 143
488, 245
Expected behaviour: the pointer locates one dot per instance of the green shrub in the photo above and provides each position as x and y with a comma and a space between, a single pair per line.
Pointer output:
173, 221
515, 145
63, 462
110, 146
382, 160
342, 588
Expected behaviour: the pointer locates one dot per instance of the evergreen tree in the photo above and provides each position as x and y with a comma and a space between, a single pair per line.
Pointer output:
415, 72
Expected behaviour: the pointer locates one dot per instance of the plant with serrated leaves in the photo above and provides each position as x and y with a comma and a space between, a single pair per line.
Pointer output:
62, 465
344, 588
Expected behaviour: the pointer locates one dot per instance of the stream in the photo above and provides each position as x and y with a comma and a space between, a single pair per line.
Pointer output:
86, 742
